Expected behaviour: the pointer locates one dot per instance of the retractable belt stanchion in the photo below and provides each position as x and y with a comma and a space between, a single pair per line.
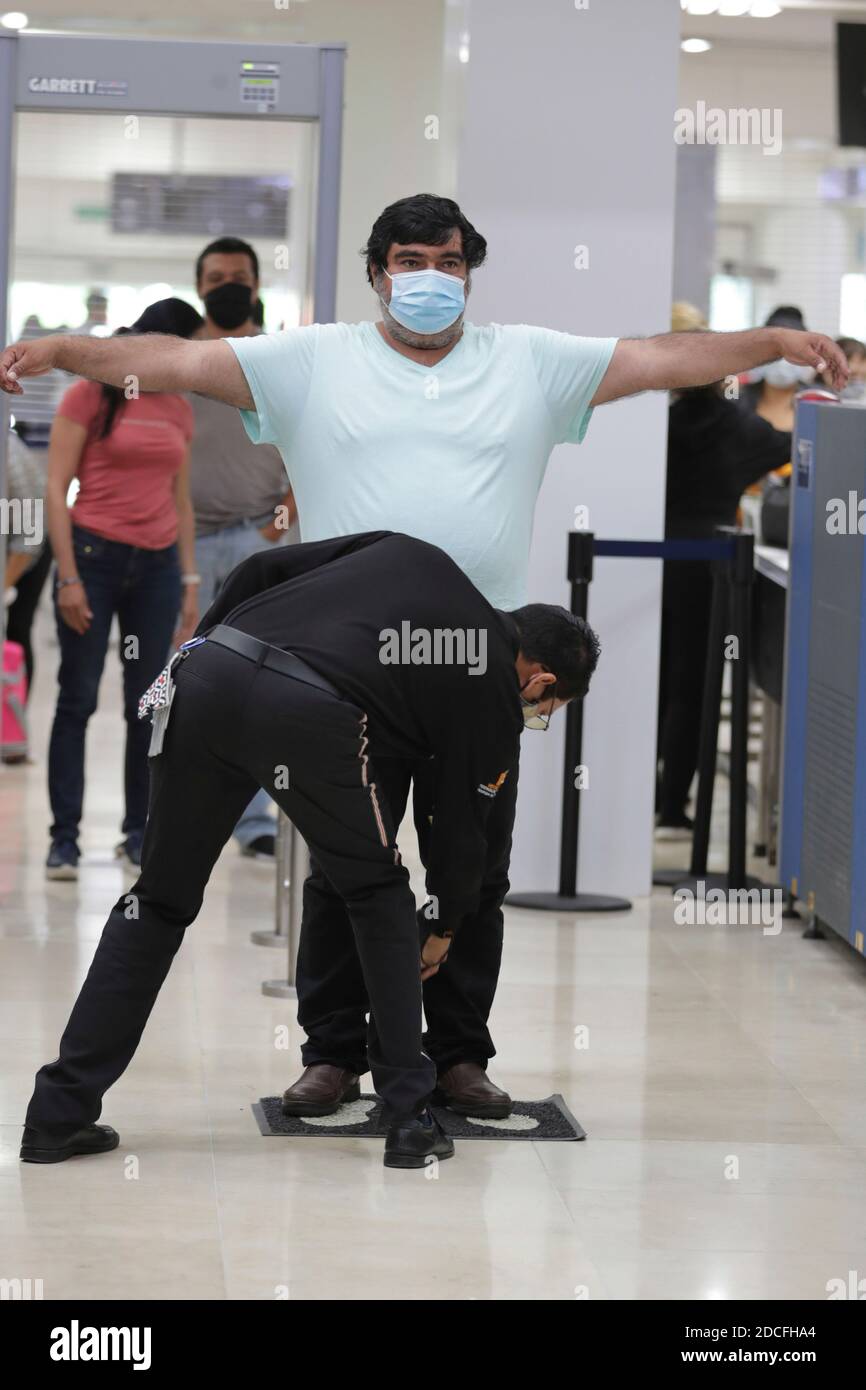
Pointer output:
290, 901
732, 553
568, 899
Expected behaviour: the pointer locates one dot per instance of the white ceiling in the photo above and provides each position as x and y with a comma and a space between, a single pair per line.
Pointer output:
802, 22
211, 18
228, 18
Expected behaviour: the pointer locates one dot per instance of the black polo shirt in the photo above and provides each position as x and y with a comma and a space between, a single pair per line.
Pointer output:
716, 449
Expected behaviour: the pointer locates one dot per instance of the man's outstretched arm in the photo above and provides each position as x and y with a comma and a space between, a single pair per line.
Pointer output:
675, 360
137, 362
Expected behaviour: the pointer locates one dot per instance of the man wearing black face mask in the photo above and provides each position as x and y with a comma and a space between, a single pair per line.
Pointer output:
239, 493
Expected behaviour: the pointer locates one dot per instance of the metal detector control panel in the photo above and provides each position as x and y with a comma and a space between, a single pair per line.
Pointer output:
260, 86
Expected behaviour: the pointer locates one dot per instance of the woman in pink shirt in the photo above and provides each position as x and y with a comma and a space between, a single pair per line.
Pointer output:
126, 548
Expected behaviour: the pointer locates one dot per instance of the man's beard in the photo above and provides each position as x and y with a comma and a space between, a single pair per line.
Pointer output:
429, 341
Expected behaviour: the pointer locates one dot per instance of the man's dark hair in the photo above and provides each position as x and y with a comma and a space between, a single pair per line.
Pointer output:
561, 642
425, 218
227, 246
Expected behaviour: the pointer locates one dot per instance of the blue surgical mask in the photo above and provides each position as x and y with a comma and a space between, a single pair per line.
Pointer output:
426, 301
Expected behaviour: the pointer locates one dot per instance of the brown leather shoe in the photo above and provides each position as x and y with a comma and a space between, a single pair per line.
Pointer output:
321, 1090
466, 1089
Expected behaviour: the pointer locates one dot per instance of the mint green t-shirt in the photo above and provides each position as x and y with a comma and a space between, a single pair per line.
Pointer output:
453, 454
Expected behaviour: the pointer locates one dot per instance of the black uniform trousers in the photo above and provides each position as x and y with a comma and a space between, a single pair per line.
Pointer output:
332, 1001
236, 726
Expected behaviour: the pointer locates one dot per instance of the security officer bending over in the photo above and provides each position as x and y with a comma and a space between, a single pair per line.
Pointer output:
317, 658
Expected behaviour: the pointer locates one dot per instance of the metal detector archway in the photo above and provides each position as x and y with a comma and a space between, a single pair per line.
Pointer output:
249, 81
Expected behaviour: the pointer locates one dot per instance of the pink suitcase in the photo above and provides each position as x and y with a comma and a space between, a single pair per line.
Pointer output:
13, 717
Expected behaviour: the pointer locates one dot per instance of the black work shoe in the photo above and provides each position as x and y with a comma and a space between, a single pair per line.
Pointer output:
38, 1146
414, 1143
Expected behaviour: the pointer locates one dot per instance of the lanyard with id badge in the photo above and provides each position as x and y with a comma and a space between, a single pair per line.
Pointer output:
157, 699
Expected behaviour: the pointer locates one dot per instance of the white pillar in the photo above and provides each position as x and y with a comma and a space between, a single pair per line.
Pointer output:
568, 140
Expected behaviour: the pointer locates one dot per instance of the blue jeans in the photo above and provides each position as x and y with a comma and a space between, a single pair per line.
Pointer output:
143, 588
215, 558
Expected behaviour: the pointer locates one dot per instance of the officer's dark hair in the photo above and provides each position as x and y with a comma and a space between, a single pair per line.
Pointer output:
562, 643
426, 218
227, 246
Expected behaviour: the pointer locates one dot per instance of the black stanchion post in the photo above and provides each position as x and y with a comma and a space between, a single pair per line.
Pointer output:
580, 545
568, 899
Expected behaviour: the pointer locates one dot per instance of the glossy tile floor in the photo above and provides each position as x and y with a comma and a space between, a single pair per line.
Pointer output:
723, 1091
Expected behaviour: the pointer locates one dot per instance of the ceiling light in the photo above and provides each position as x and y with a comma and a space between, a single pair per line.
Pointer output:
764, 9
700, 6
734, 8
695, 45
14, 20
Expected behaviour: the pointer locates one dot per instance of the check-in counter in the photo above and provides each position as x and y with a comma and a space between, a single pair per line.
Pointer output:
823, 820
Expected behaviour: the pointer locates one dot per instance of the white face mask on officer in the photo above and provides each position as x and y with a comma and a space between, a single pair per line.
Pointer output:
531, 718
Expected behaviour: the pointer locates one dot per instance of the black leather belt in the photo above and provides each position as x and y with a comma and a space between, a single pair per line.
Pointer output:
263, 654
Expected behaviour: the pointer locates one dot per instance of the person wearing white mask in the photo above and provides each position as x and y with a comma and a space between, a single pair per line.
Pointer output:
773, 387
